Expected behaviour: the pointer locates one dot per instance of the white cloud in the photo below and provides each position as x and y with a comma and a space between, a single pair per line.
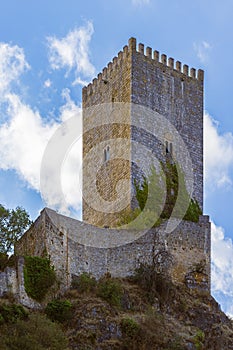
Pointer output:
72, 52
24, 135
47, 83
140, 2
23, 142
79, 81
12, 65
218, 150
202, 50
222, 266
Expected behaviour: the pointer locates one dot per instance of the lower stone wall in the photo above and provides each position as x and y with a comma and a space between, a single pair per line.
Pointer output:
12, 284
8, 281
75, 247
184, 250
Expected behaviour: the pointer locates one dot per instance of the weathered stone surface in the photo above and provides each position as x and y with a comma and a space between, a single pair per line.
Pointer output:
137, 78
12, 283
188, 246
74, 247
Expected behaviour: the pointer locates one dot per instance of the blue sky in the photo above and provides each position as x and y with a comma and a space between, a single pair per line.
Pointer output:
49, 49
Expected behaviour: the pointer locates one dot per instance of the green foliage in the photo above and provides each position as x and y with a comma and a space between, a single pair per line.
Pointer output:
193, 212
199, 339
129, 327
5, 261
9, 313
39, 276
150, 197
155, 284
13, 223
110, 290
141, 192
59, 310
172, 183
36, 333
84, 283
176, 203
156, 204
129, 216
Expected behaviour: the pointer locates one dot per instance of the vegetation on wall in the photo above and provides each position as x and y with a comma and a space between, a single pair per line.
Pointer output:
84, 283
39, 276
157, 205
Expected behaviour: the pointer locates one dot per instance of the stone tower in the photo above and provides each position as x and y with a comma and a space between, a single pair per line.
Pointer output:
134, 88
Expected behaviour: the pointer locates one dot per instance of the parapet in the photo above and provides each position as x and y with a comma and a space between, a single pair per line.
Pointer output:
178, 66
152, 55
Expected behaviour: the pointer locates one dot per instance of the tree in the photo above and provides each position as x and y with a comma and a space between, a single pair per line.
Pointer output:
13, 223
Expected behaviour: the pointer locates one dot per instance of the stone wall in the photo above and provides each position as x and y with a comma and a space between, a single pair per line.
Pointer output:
164, 90
177, 95
112, 85
75, 247
8, 281
12, 284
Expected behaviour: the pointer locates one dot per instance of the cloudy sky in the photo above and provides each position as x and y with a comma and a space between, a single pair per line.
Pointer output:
50, 49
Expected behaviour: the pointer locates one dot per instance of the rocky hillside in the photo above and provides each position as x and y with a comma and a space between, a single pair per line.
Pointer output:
144, 312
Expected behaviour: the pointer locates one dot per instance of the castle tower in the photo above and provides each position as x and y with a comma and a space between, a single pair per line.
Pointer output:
111, 162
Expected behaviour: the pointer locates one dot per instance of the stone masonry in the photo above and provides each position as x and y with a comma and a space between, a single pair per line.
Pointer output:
75, 247
159, 87
138, 99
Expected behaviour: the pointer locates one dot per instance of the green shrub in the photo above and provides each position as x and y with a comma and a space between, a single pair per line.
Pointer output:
156, 285
193, 212
129, 327
59, 310
84, 283
199, 339
39, 276
111, 291
5, 261
9, 313
36, 333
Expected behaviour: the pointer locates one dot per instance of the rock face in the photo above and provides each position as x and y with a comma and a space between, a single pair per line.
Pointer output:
163, 316
120, 314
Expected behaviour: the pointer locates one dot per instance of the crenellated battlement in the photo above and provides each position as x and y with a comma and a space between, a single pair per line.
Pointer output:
106, 72
168, 62
155, 56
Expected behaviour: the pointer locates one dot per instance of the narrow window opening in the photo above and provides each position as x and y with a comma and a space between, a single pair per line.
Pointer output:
169, 147
106, 153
